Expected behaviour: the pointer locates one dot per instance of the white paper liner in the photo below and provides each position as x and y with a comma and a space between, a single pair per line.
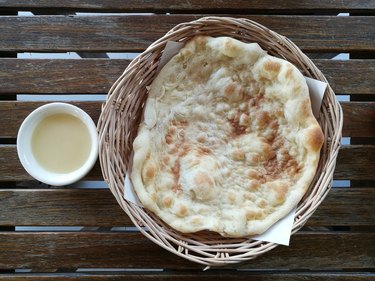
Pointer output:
280, 231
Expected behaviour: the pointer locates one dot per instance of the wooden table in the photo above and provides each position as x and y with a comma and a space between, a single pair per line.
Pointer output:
80, 233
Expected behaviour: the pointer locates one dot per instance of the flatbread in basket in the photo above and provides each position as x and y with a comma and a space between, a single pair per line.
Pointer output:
228, 141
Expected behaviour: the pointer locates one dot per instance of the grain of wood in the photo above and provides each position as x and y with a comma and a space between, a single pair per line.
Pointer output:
10, 123
359, 119
195, 6
135, 33
59, 76
98, 207
49, 250
211, 275
95, 76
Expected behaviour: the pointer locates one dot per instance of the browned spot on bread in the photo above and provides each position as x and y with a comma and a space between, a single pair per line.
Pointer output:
184, 149
272, 66
232, 197
281, 190
173, 149
181, 134
285, 165
277, 142
268, 152
171, 130
274, 125
262, 203
202, 137
204, 185
168, 139
288, 73
315, 138
306, 108
196, 221
253, 174
253, 185
167, 201
166, 159
202, 179
238, 154
254, 158
200, 42
254, 101
182, 211
150, 171
253, 215
262, 119
154, 197
180, 123
244, 119
176, 176
237, 129
229, 90
203, 150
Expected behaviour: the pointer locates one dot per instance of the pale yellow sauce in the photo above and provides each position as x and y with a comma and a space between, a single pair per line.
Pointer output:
61, 143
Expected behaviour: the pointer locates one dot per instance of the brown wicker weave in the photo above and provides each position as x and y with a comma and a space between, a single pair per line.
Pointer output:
122, 111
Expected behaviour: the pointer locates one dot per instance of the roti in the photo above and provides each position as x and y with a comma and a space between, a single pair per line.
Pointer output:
228, 141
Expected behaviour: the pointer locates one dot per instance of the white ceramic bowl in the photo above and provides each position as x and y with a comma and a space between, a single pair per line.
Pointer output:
27, 158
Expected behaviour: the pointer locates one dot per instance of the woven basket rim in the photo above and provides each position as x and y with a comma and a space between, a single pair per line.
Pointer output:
120, 117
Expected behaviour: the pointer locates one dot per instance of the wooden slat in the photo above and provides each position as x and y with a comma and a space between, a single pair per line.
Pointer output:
349, 77
93, 207
135, 33
345, 207
95, 76
356, 162
353, 162
359, 117
192, 5
50, 250
77, 76
81, 207
211, 275
10, 123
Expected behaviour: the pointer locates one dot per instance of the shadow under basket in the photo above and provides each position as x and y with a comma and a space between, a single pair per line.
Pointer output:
122, 111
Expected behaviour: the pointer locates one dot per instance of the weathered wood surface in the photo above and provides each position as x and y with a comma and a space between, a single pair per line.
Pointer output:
10, 123
211, 275
59, 76
49, 250
354, 162
135, 33
98, 207
12, 170
194, 6
95, 76
359, 117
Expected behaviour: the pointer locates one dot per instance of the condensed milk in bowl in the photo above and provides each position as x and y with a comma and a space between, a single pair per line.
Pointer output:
57, 144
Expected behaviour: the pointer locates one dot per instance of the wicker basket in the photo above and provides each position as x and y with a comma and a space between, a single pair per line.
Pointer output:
122, 112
